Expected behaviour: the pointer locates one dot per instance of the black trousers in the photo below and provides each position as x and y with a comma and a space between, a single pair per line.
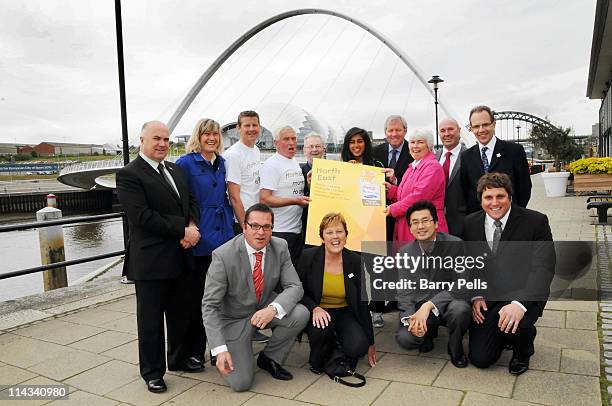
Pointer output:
343, 327
295, 243
154, 299
195, 340
487, 340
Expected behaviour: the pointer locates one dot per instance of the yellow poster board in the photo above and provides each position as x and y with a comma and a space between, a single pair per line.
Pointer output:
355, 191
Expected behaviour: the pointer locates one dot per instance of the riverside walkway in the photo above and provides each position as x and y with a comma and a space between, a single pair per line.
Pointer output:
86, 338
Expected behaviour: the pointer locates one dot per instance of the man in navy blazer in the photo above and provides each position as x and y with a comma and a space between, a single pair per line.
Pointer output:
490, 154
162, 215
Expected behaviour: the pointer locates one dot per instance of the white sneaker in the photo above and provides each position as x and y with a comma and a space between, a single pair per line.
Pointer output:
125, 280
377, 320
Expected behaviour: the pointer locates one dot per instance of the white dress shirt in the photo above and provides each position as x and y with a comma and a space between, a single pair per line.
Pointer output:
490, 147
453, 158
154, 164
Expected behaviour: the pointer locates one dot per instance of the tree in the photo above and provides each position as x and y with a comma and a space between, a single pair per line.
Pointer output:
556, 142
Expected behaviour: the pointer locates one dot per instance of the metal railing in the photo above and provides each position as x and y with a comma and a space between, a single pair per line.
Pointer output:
73, 220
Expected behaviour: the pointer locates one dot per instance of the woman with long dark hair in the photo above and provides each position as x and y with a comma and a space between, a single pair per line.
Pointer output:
357, 147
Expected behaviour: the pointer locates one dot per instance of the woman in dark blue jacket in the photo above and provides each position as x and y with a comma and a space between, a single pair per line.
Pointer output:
204, 169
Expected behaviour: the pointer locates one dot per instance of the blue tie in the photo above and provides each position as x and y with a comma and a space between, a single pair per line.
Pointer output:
485, 160
393, 160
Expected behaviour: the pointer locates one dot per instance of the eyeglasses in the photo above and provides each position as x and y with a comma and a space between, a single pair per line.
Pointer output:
425, 222
257, 227
479, 126
316, 146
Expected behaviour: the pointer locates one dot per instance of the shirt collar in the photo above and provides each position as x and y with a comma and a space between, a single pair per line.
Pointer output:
399, 149
154, 164
251, 250
504, 220
490, 145
415, 163
455, 151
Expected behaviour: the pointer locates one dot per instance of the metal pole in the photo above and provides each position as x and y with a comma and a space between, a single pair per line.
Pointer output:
437, 131
124, 129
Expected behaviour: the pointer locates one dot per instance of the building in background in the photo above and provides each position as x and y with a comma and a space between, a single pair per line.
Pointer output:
600, 73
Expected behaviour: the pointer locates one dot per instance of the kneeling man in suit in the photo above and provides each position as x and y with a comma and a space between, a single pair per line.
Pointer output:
251, 284
423, 310
519, 267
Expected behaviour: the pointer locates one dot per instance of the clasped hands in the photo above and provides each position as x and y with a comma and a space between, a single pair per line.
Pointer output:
417, 322
509, 316
192, 236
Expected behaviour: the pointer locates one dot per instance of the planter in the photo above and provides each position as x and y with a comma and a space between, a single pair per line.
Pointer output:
592, 183
555, 183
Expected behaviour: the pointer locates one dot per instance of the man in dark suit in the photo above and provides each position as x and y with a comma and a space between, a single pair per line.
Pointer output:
393, 153
162, 217
251, 284
423, 310
450, 159
491, 154
519, 267
314, 147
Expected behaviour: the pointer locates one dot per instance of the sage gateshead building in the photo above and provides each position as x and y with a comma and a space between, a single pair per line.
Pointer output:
600, 73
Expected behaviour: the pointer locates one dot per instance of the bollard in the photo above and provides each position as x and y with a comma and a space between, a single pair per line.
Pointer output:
52, 201
52, 248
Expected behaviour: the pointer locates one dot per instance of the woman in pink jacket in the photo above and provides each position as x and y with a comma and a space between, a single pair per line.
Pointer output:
423, 180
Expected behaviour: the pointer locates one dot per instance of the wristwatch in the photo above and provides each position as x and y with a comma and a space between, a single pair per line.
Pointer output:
275, 309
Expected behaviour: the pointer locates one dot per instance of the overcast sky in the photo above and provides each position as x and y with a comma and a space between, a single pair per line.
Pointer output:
58, 64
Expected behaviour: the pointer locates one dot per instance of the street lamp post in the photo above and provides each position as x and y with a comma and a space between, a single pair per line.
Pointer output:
518, 134
435, 79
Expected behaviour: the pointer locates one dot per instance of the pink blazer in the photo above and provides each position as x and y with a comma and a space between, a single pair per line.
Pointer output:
426, 182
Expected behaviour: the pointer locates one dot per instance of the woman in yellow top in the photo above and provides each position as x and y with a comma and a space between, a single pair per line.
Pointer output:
333, 286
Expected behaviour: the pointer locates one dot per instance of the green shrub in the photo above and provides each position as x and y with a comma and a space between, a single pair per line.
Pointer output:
591, 166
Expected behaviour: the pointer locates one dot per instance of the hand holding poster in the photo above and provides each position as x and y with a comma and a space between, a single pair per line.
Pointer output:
356, 191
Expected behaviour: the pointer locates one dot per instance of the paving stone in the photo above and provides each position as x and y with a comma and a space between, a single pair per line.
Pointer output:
127, 352
327, 392
104, 341
205, 393
59, 332
576, 305
10, 375
125, 324
210, 374
580, 362
21, 317
554, 388
94, 317
39, 380
406, 393
136, 392
480, 399
568, 338
552, 318
545, 358
127, 305
67, 364
80, 398
302, 378
106, 377
298, 356
407, 368
494, 380
25, 352
265, 400
385, 342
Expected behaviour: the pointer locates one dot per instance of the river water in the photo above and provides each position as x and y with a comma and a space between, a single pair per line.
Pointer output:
20, 250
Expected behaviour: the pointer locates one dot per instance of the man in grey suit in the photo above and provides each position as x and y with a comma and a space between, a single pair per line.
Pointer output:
449, 158
251, 284
423, 310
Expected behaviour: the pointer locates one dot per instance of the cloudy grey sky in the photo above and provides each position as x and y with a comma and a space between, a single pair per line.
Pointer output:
58, 77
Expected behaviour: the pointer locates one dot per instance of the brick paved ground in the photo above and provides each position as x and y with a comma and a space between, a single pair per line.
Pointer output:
94, 351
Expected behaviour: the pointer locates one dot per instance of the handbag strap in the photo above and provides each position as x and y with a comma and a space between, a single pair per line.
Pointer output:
357, 375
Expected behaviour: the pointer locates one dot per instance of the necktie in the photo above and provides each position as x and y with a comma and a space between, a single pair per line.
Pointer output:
258, 278
393, 160
496, 235
446, 165
485, 160
164, 176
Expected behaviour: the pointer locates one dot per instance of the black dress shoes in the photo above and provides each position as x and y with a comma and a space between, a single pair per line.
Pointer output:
459, 361
191, 364
273, 367
427, 344
518, 366
156, 385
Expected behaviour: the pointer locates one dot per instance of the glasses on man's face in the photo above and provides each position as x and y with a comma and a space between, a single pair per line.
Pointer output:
257, 227
484, 126
425, 222
316, 146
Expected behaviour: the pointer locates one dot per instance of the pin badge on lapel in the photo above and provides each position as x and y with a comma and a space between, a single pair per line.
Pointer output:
350, 275
499, 155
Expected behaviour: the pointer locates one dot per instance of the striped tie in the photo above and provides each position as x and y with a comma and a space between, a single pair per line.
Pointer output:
258, 278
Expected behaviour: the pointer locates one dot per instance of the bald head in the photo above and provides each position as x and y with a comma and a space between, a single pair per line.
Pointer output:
450, 133
155, 140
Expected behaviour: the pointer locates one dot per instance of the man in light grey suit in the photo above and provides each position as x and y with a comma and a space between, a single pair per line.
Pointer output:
251, 284
423, 310
454, 199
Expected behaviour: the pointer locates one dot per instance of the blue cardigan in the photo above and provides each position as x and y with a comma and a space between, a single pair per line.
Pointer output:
207, 183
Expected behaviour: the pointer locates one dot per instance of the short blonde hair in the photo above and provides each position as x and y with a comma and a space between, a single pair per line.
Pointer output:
205, 125
329, 219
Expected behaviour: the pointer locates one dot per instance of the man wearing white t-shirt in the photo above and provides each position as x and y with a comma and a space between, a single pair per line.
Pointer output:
242, 163
282, 188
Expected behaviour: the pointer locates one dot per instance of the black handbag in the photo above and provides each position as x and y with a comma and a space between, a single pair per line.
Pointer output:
339, 366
